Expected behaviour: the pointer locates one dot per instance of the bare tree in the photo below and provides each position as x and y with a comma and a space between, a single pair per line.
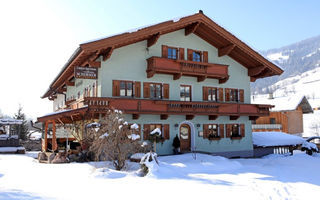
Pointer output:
114, 140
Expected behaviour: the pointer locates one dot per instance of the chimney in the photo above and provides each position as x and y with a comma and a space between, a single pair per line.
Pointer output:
200, 11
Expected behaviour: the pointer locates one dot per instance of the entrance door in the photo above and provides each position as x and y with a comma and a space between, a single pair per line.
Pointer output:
185, 138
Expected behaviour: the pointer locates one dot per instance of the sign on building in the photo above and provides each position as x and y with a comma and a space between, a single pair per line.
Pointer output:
86, 72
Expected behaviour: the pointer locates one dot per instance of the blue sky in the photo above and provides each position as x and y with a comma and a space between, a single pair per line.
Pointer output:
261, 23
37, 37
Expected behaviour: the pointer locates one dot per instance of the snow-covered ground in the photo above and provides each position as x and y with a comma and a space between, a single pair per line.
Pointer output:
178, 177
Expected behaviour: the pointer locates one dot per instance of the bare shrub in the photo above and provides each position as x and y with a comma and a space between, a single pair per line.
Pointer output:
114, 139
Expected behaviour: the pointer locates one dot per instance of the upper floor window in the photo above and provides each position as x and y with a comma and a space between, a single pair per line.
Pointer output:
212, 94
126, 88
94, 91
185, 93
172, 53
235, 95
156, 90
196, 56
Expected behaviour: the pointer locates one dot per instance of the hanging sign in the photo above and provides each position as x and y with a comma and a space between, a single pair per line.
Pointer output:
86, 72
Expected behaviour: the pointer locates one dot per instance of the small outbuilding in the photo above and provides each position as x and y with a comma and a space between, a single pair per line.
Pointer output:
286, 115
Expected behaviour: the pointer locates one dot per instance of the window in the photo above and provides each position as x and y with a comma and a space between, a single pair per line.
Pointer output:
94, 94
126, 88
213, 131
196, 56
212, 94
156, 90
185, 93
234, 95
172, 53
235, 130
272, 120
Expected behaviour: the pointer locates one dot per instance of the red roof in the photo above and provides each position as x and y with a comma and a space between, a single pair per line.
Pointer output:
199, 24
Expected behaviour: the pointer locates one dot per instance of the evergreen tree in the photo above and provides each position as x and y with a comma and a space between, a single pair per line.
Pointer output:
22, 129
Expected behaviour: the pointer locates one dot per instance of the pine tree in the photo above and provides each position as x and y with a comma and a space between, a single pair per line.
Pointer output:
22, 129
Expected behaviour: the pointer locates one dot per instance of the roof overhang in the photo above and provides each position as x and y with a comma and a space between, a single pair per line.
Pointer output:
65, 116
199, 24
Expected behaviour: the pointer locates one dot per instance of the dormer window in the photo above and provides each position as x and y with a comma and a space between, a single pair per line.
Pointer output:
172, 53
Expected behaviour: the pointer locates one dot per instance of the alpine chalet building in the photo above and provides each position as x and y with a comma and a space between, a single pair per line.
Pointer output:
189, 77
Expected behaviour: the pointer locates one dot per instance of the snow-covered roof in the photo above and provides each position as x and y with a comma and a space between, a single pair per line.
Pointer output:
10, 121
283, 103
269, 139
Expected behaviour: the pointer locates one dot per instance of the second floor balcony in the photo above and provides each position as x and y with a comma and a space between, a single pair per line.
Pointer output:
178, 68
164, 108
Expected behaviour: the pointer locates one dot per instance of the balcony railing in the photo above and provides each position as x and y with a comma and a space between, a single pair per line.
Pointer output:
267, 126
179, 68
148, 106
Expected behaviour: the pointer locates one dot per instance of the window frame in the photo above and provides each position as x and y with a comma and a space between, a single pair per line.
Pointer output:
197, 52
190, 92
232, 135
126, 88
173, 48
155, 91
234, 95
211, 130
210, 93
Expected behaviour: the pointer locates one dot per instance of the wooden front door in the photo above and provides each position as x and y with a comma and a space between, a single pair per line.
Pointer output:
185, 138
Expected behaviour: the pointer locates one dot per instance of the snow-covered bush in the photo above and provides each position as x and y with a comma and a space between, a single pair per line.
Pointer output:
149, 162
309, 147
115, 140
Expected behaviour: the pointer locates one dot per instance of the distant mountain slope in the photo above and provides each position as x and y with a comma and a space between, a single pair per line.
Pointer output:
294, 59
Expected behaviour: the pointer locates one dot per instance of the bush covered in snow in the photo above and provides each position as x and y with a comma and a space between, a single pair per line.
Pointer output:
149, 162
115, 140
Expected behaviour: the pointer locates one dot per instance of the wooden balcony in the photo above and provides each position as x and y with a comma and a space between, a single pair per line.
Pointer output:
163, 107
178, 68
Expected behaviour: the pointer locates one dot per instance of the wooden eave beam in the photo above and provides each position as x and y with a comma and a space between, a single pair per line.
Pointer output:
254, 71
177, 76
253, 117
201, 78
135, 116
106, 53
226, 50
69, 83
153, 39
164, 117
189, 117
96, 64
213, 117
224, 80
234, 117
191, 28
